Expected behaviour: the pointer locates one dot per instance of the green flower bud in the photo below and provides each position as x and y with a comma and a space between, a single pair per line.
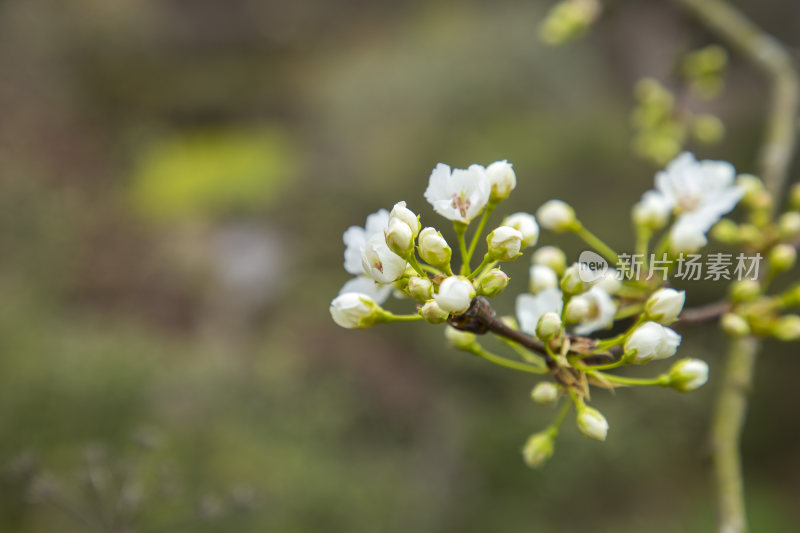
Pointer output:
421, 289
504, 243
545, 393
688, 374
433, 313
592, 423
753, 186
353, 310
782, 257
538, 448
552, 257
794, 197
556, 215
787, 328
463, 340
734, 325
493, 283
726, 231
433, 249
745, 290
572, 281
708, 129
549, 326
789, 225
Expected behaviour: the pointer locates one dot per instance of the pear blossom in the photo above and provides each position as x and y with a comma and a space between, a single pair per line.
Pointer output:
355, 239
610, 281
460, 194
526, 224
552, 257
433, 313
545, 393
530, 308
433, 248
549, 326
463, 340
652, 211
399, 238
538, 449
421, 289
354, 310
575, 278
379, 262
493, 283
542, 277
700, 192
665, 305
600, 315
651, 340
502, 179
688, 374
362, 284
592, 423
404, 214
455, 294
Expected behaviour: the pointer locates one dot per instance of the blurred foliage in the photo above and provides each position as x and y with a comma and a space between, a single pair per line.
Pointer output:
213, 173
288, 122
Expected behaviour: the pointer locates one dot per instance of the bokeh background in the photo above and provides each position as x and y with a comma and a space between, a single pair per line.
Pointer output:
175, 177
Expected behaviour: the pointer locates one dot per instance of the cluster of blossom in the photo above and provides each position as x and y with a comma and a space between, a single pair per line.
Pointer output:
564, 305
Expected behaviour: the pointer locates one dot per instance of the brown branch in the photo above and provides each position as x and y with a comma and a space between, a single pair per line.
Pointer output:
704, 313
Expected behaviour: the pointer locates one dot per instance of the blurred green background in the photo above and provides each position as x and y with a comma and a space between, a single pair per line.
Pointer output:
175, 177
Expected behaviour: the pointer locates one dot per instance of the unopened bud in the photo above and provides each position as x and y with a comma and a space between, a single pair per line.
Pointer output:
734, 325
572, 282
542, 277
433, 313
688, 374
545, 393
455, 294
538, 448
354, 310
463, 340
401, 212
592, 423
525, 224
745, 290
493, 283
578, 310
652, 211
433, 249
752, 185
726, 231
549, 326
552, 257
556, 215
782, 257
421, 289
789, 225
651, 341
400, 238
665, 305
787, 328
502, 179
504, 243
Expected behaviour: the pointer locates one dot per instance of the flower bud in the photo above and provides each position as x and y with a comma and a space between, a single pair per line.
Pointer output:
549, 326
782, 257
400, 238
556, 215
688, 374
463, 340
525, 224
493, 283
687, 238
433, 249
787, 328
354, 310
552, 257
665, 305
745, 290
794, 197
542, 277
504, 243
455, 294
402, 213
379, 262
752, 185
432, 313
578, 310
789, 225
538, 449
708, 129
545, 393
651, 341
502, 179
421, 289
592, 423
572, 282
652, 211
726, 231
734, 325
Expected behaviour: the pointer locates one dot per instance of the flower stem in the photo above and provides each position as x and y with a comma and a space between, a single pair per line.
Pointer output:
487, 260
391, 317
592, 240
559, 419
479, 230
660, 381
412, 260
479, 350
461, 229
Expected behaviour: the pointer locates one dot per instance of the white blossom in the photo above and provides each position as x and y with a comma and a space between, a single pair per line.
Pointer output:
685, 236
502, 179
549, 326
651, 340
652, 210
550, 256
433, 248
364, 285
354, 310
601, 311
504, 243
544, 393
459, 195
355, 239
455, 294
530, 308
401, 212
379, 262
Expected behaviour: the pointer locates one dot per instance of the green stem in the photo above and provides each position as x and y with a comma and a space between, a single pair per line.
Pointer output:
660, 381
479, 230
559, 419
592, 240
391, 317
487, 260
461, 229
412, 260
528, 356
478, 350
643, 236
